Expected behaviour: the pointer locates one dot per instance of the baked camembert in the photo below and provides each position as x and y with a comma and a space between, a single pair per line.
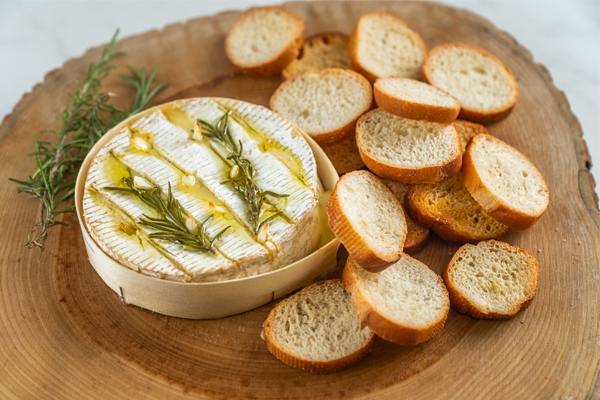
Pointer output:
205, 190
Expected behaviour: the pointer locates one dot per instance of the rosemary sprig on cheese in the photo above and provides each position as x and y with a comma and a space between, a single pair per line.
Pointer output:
173, 223
84, 120
241, 174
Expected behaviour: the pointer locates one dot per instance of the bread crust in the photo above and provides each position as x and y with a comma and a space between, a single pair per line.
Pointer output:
430, 174
288, 73
279, 62
343, 132
473, 128
461, 304
345, 156
382, 326
414, 110
416, 240
492, 203
319, 367
354, 41
357, 246
440, 224
472, 114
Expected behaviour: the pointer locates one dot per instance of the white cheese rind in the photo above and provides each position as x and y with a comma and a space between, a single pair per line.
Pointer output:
172, 153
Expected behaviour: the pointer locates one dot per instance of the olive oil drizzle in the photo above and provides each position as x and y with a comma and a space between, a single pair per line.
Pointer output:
171, 226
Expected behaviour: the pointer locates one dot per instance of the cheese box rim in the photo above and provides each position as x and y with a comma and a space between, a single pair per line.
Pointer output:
325, 171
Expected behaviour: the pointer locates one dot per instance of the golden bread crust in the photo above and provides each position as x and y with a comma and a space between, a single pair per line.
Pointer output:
319, 367
461, 304
488, 199
414, 110
382, 326
358, 248
278, 63
343, 132
472, 114
355, 60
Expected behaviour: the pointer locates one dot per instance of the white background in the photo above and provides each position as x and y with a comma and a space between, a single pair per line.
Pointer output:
36, 37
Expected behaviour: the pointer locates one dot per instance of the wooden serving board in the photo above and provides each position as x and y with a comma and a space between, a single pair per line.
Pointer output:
64, 334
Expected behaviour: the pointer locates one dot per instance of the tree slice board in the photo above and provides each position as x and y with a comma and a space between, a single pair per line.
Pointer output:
64, 334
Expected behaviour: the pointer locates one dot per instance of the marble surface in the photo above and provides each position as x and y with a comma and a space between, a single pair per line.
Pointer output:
36, 37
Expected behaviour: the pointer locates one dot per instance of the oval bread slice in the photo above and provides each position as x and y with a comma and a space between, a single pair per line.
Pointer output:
406, 150
412, 99
326, 104
406, 304
485, 87
368, 219
507, 185
451, 212
417, 237
327, 50
318, 330
381, 45
264, 40
466, 130
492, 280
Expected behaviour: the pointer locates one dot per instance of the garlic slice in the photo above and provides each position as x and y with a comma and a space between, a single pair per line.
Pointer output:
262, 234
142, 183
188, 180
235, 172
191, 225
141, 144
197, 132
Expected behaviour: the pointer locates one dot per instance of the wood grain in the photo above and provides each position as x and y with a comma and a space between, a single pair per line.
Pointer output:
64, 334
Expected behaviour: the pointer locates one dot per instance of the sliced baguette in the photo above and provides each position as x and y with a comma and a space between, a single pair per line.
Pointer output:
406, 304
381, 45
451, 212
506, 184
417, 237
485, 87
318, 330
466, 130
345, 156
491, 280
406, 150
327, 50
325, 105
264, 40
412, 99
368, 219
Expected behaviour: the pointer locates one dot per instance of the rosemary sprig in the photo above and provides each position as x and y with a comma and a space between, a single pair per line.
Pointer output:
173, 223
84, 120
242, 172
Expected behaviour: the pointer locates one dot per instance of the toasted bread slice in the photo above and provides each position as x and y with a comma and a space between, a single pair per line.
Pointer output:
506, 184
264, 40
466, 130
406, 304
326, 104
485, 87
368, 219
345, 156
412, 99
451, 212
492, 280
326, 50
318, 330
381, 45
406, 150
417, 237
